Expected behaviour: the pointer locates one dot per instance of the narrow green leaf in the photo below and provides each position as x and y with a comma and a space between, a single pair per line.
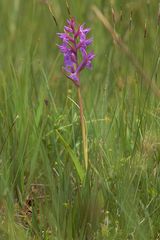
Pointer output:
78, 166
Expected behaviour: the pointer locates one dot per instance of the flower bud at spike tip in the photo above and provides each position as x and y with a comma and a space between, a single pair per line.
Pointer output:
75, 41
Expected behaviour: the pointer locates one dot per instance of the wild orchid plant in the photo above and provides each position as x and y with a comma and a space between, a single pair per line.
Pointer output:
74, 48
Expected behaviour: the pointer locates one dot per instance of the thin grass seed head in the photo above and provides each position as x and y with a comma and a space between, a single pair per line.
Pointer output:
74, 48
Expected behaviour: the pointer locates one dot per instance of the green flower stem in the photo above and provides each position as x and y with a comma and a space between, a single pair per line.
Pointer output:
83, 127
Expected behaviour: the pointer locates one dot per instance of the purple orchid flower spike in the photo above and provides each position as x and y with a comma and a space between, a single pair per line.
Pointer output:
74, 40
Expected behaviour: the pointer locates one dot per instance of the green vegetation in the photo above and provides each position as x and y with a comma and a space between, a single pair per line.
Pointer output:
45, 191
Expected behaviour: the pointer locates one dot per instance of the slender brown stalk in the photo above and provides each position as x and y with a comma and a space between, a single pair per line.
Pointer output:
83, 127
118, 40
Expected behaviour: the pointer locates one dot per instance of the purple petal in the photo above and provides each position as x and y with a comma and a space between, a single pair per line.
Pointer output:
69, 69
63, 48
89, 65
91, 55
83, 51
88, 41
82, 36
84, 43
65, 37
71, 23
82, 65
68, 29
68, 60
74, 76
87, 58
87, 30
73, 57
84, 30
62, 35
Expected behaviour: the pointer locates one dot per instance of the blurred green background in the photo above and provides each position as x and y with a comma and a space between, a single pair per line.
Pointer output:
42, 194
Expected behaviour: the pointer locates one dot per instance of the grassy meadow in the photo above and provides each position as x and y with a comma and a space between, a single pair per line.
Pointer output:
46, 193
